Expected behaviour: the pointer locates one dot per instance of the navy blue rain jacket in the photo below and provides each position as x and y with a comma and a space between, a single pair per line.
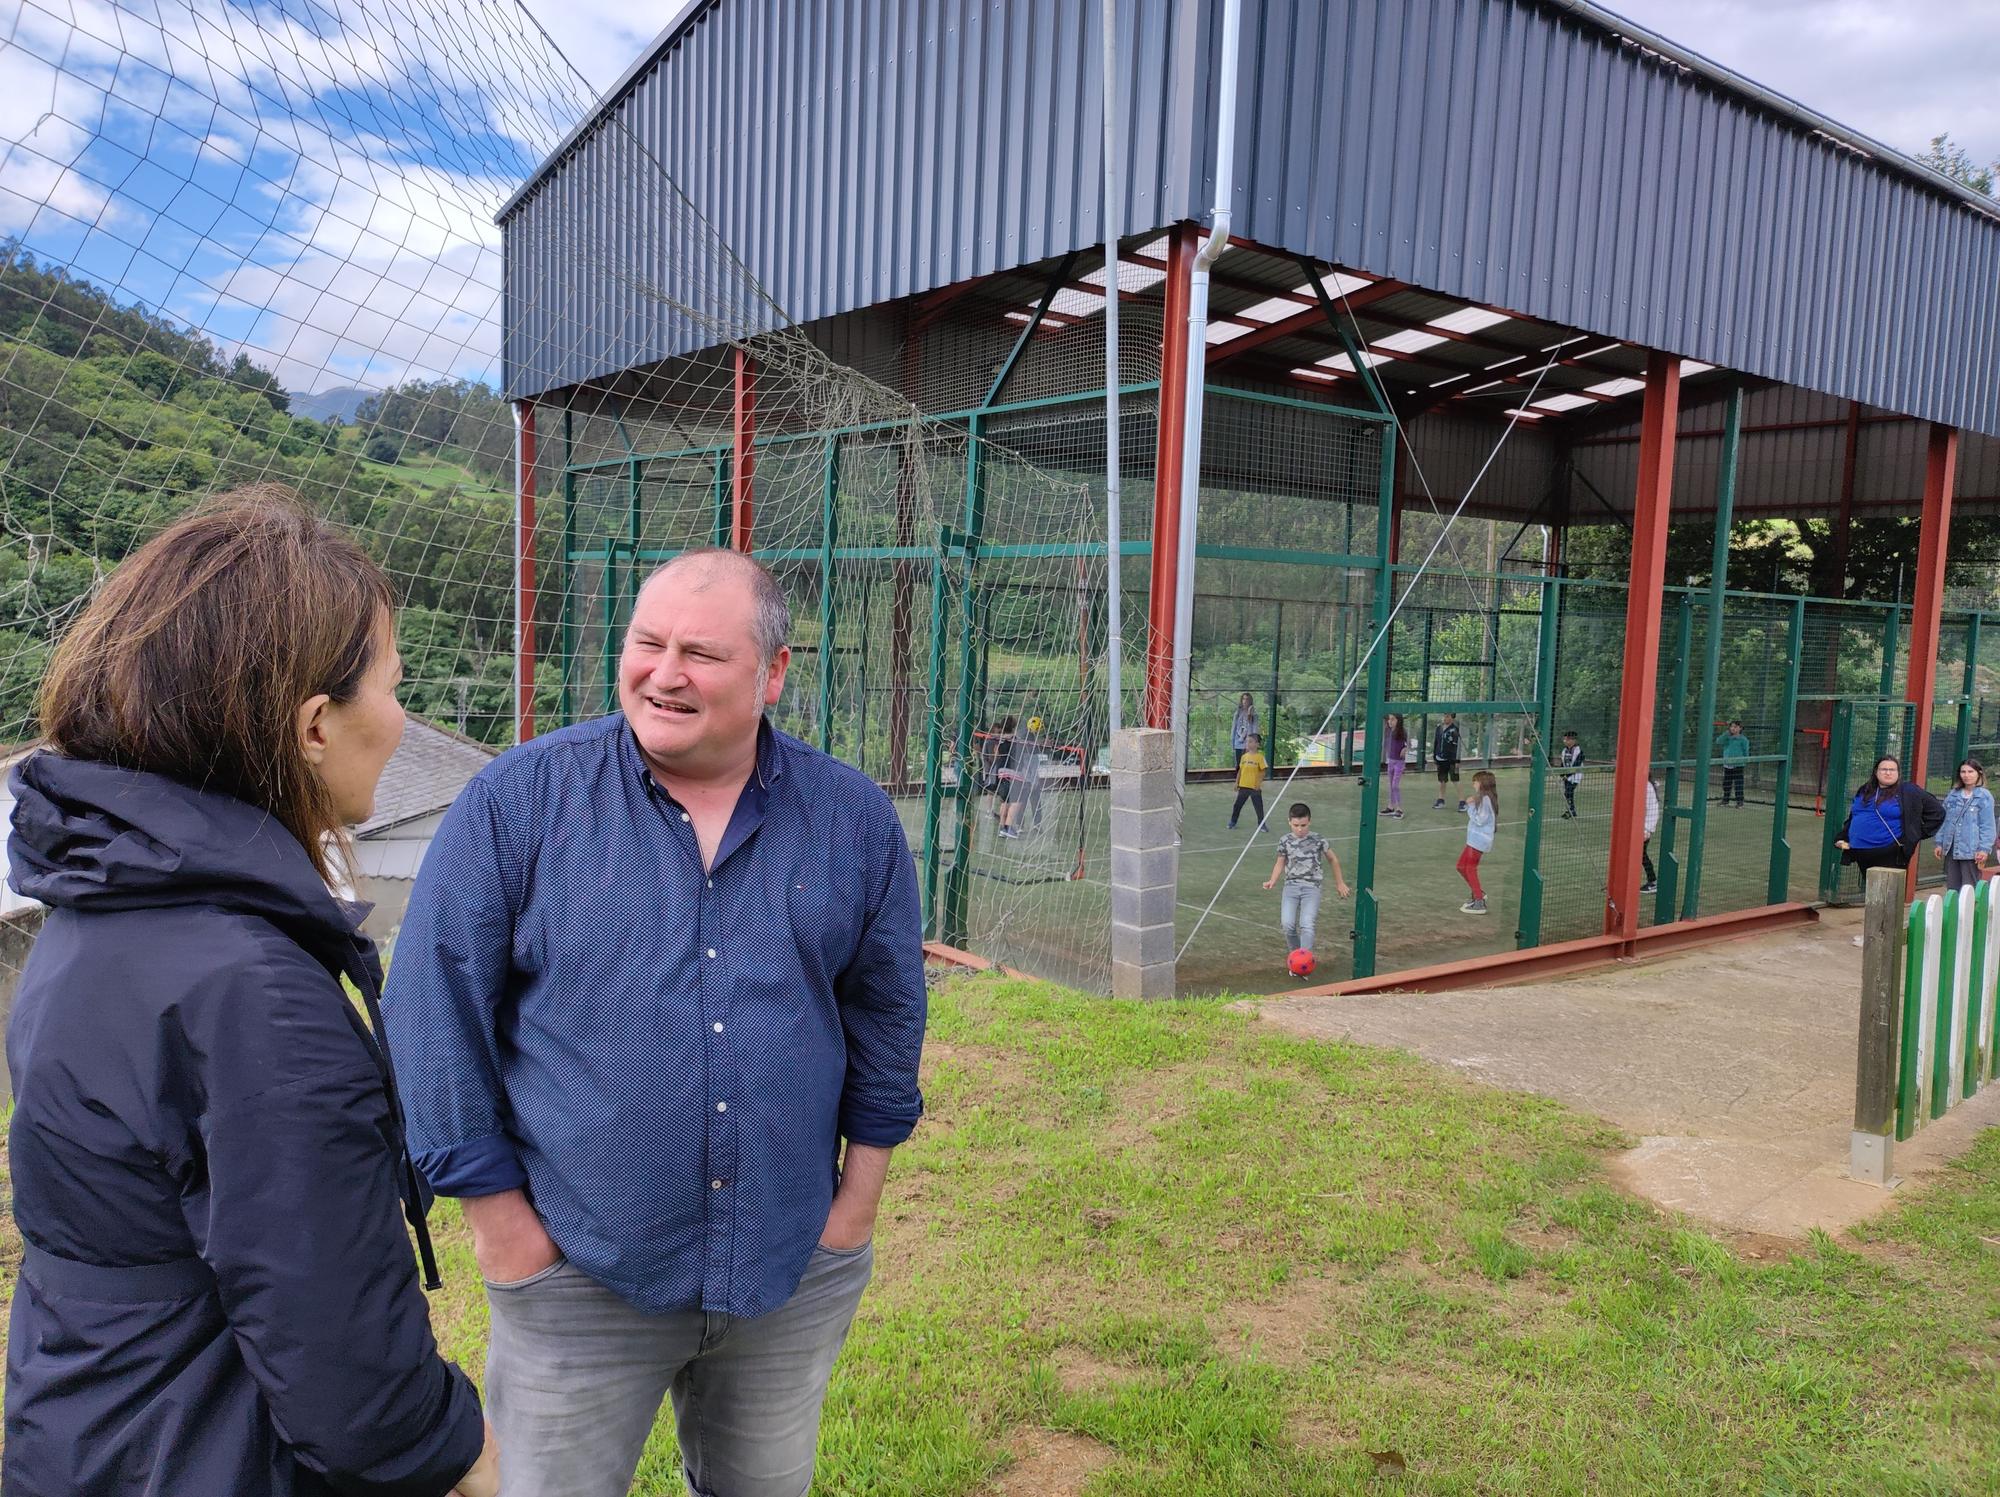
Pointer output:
217, 1296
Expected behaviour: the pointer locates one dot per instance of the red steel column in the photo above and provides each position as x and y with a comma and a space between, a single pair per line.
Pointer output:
1927, 608
1167, 480
1642, 641
524, 571
743, 453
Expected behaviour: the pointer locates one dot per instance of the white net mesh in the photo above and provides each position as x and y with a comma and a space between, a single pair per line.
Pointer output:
259, 244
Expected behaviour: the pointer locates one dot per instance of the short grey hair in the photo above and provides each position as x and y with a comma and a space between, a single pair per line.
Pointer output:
771, 625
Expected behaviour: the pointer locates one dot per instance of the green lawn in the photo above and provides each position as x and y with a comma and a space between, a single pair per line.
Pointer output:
1193, 1256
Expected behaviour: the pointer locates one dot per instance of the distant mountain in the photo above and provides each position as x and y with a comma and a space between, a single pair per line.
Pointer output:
337, 404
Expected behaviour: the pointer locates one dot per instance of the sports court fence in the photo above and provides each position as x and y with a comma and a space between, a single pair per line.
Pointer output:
929, 654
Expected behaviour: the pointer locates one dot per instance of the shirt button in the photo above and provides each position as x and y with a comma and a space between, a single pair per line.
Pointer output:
718, 1029
722, 1107
684, 816
715, 1185
711, 953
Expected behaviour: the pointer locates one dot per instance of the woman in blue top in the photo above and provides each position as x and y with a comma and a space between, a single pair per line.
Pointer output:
1887, 820
1965, 840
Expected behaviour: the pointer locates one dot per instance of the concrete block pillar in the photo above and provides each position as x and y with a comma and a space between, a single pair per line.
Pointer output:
1145, 862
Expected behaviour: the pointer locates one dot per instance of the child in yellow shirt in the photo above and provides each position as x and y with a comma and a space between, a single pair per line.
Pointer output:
1250, 772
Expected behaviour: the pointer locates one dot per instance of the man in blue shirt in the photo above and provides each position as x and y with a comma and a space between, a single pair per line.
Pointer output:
656, 968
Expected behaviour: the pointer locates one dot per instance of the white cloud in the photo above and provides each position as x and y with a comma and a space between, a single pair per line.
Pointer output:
1900, 73
604, 37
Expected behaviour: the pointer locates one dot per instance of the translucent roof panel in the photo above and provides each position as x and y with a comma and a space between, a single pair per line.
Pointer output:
1469, 320
1410, 342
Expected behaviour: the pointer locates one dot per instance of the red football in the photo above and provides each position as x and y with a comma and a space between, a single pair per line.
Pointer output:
1301, 962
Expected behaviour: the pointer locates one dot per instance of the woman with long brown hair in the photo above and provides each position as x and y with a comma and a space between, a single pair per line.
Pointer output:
217, 1293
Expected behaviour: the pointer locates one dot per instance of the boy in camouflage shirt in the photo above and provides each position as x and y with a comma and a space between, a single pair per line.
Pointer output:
1302, 854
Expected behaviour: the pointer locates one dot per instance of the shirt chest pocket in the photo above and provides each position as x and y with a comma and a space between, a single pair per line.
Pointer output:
826, 919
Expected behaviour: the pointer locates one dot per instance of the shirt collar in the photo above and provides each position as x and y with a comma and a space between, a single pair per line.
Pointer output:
772, 756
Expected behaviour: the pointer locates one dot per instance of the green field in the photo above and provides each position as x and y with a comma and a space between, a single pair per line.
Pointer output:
1187, 1255
1057, 928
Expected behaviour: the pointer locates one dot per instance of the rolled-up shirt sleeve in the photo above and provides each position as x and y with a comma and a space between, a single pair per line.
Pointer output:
448, 976
882, 998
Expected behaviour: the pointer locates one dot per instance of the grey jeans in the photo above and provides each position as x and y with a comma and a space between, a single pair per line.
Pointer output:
1299, 909
575, 1375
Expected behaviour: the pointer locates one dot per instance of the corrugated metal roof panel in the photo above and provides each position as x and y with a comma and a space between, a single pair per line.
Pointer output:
1515, 153
848, 152
1504, 152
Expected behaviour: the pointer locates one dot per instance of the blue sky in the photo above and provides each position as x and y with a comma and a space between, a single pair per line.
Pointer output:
318, 193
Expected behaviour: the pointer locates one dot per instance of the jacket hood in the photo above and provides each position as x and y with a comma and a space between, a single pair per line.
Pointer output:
92, 836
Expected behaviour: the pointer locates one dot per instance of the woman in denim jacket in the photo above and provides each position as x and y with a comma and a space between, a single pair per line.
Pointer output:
1965, 841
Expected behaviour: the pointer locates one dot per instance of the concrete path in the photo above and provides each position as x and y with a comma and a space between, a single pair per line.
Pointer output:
1734, 1066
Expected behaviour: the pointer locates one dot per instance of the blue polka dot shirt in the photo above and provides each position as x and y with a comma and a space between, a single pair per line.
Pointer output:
666, 1058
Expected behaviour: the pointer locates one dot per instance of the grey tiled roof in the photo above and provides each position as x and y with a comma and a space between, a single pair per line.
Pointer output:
430, 766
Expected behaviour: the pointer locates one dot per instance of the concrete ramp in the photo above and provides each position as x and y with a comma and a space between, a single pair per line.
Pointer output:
1733, 1066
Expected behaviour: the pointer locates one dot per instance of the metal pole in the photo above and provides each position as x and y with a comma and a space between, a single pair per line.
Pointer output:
1669, 861
1533, 884
1892, 623
1788, 732
934, 742
1367, 909
1197, 359
1840, 744
719, 478
829, 525
1962, 741
958, 878
1277, 662
1645, 585
1162, 588
568, 576
1113, 497
1725, 510
743, 451
524, 570
1927, 604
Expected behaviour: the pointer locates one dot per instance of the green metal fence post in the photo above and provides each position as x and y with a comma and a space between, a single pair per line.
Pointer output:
1892, 620
1277, 660
1718, 579
1839, 747
1367, 910
635, 527
719, 465
1669, 862
934, 741
1534, 886
1492, 647
957, 889
611, 549
829, 528
1788, 731
1962, 742
569, 713
1343, 650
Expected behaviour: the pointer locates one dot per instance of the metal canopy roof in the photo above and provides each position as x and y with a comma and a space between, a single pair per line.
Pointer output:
1539, 157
